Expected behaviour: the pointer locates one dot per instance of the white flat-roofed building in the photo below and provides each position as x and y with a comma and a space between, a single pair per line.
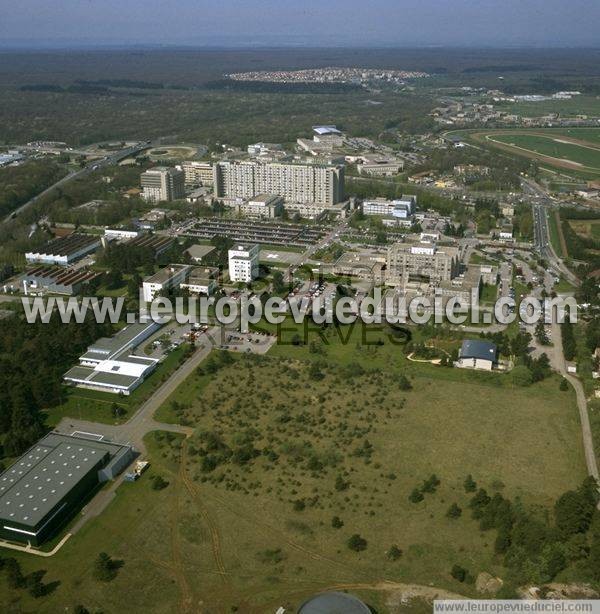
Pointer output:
202, 280
243, 263
169, 277
402, 207
109, 364
263, 205
118, 233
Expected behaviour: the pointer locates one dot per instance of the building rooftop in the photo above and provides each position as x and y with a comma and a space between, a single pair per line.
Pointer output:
199, 251
478, 348
71, 244
32, 489
162, 276
106, 348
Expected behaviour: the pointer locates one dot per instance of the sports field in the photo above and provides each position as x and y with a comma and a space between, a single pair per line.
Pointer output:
287, 442
573, 150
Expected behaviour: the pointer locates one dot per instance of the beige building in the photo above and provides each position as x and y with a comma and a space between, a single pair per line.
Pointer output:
263, 205
162, 183
198, 173
422, 261
296, 182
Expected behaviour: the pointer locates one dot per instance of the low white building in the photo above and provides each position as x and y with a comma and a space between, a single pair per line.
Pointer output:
202, 280
261, 206
110, 365
243, 263
169, 277
120, 234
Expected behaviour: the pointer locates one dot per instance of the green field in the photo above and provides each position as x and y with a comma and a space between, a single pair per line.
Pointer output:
578, 105
550, 146
255, 532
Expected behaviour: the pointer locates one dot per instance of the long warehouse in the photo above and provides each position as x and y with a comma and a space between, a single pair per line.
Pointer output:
42, 489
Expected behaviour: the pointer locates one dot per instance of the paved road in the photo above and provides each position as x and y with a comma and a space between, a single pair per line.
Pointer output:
556, 356
92, 166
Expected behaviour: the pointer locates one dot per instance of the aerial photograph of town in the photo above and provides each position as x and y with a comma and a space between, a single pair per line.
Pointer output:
299, 307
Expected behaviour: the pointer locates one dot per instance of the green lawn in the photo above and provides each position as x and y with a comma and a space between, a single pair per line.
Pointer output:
550, 146
236, 536
555, 235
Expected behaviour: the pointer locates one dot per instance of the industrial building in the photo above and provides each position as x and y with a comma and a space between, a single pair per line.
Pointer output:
65, 250
157, 243
42, 489
477, 354
261, 206
243, 263
110, 365
162, 183
421, 261
56, 280
197, 173
169, 277
296, 182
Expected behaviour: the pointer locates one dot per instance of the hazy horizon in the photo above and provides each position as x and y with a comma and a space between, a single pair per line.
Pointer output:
36, 24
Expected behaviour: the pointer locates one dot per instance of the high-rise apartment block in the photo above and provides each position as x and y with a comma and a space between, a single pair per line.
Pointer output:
295, 182
162, 183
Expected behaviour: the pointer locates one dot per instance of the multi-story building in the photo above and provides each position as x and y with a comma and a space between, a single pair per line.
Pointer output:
296, 182
197, 173
263, 205
162, 183
243, 263
401, 208
169, 277
202, 280
422, 261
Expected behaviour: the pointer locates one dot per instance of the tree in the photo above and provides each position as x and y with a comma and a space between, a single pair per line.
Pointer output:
357, 543
394, 553
105, 569
564, 385
470, 484
454, 511
404, 383
158, 483
459, 573
574, 510
416, 496
337, 522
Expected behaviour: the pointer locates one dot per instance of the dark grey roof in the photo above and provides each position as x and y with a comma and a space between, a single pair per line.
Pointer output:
33, 487
478, 348
334, 603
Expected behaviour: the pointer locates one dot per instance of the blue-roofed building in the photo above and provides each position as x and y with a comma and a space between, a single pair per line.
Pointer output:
478, 354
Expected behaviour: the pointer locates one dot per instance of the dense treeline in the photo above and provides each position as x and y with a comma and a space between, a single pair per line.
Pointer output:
270, 87
18, 184
535, 547
33, 359
579, 247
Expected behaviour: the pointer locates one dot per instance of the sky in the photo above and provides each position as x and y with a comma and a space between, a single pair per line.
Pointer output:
309, 23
